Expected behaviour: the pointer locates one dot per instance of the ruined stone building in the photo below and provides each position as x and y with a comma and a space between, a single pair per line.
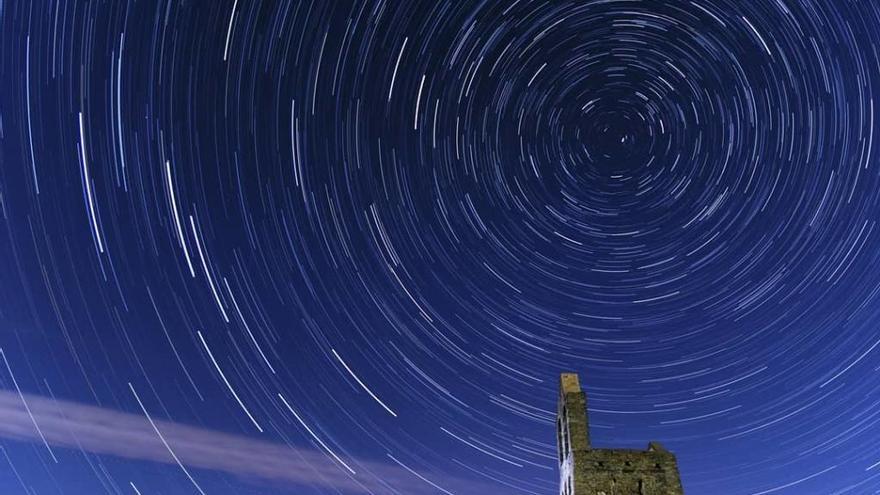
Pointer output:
584, 470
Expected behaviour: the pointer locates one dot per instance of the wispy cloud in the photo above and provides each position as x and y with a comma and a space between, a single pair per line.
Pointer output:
110, 432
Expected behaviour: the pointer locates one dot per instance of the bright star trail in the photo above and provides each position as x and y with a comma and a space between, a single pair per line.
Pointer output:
269, 247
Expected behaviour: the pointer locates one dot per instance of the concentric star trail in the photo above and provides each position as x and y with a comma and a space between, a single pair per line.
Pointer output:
353, 244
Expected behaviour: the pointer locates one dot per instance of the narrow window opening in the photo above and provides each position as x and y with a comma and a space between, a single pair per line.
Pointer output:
559, 440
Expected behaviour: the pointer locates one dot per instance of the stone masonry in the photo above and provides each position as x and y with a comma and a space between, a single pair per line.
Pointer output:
584, 470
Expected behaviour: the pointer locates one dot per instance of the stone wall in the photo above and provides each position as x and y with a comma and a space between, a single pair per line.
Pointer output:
626, 472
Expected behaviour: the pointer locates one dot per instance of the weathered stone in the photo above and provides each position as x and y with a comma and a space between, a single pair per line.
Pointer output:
584, 470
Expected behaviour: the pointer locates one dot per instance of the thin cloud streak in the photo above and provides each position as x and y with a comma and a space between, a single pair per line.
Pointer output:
110, 432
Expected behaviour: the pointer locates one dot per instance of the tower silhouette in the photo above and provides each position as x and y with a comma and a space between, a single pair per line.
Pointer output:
584, 470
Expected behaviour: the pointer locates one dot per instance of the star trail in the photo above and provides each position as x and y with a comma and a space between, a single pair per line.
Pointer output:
255, 247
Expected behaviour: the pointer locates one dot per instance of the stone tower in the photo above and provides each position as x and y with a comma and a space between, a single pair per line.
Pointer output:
587, 471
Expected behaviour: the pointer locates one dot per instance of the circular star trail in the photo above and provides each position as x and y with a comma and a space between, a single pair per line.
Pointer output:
333, 247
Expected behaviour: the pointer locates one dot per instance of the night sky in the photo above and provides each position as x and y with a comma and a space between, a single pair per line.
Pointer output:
320, 247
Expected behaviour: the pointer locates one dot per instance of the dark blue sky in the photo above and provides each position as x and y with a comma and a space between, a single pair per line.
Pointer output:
326, 247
